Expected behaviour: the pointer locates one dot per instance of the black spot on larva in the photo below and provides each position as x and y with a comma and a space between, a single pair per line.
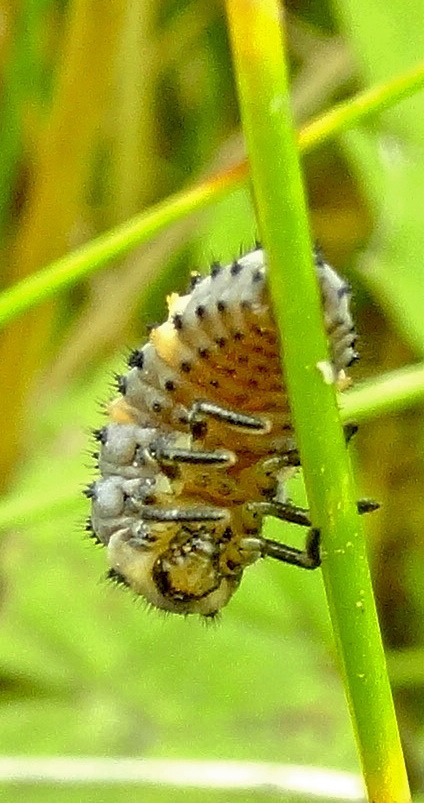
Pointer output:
257, 276
252, 383
221, 306
121, 383
214, 383
90, 491
100, 435
172, 472
226, 535
236, 267
203, 353
195, 278
243, 358
216, 269
220, 341
88, 526
199, 429
200, 311
344, 290
136, 359
246, 305
185, 367
157, 407
117, 578
95, 455
318, 256
169, 385
238, 335
177, 320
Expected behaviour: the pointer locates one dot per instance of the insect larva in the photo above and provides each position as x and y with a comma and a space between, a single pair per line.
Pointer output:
200, 442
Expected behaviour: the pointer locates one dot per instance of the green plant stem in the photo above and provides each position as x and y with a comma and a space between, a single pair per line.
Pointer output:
260, 68
87, 260
388, 393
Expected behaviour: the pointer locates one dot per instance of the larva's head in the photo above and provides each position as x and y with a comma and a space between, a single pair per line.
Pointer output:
183, 577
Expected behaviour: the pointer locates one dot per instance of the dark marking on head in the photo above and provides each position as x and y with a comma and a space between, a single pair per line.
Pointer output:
157, 407
257, 275
204, 353
185, 367
221, 305
221, 342
177, 320
200, 311
170, 385
236, 268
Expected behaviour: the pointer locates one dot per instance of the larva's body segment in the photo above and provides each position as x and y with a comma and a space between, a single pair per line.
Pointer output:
203, 430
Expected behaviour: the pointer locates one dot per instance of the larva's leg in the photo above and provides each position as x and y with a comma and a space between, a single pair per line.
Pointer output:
255, 511
171, 455
308, 558
188, 514
202, 410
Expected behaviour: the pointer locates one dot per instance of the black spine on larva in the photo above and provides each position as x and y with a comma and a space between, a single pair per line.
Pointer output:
136, 359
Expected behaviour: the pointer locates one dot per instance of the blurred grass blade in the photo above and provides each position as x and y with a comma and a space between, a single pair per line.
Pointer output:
389, 393
78, 265
261, 74
72, 268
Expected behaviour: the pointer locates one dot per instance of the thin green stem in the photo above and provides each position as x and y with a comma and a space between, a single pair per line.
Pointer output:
261, 74
72, 268
388, 393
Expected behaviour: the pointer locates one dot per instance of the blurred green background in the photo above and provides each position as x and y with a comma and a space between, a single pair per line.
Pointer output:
105, 109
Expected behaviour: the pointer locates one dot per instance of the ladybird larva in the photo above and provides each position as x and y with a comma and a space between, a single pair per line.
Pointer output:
200, 443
